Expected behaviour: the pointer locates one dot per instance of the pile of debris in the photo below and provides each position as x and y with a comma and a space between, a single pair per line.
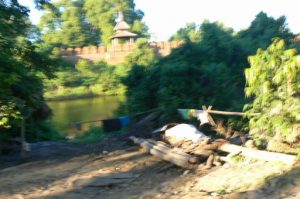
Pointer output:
185, 146
187, 154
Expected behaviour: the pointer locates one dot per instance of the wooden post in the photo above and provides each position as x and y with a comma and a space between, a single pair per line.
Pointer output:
0, 149
23, 138
210, 119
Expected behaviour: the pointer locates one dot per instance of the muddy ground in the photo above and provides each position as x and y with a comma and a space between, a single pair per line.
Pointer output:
68, 170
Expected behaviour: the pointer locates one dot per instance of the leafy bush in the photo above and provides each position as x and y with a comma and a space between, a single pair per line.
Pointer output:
22, 65
273, 80
44, 130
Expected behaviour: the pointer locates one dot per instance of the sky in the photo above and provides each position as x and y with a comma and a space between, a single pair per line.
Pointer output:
165, 17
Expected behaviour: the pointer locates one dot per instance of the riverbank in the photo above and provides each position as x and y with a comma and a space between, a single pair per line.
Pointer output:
80, 92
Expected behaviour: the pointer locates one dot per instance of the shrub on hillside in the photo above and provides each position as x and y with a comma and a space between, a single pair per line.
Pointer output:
273, 80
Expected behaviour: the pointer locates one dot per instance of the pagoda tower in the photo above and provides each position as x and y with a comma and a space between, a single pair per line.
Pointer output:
122, 35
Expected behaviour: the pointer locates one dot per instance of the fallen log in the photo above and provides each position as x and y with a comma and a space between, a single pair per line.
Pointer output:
151, 144
168, 157
164, 153
204, 149
163, 146
258, 154
166, 149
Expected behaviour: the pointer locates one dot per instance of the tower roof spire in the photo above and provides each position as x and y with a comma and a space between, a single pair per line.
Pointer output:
121, 15
121, 25
122, 28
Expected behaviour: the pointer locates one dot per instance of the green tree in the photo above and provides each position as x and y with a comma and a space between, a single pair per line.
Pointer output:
65, 24
273, 80
202, 72
188, 32
70, 23
139, 87
102, 14
262, 30
21, 88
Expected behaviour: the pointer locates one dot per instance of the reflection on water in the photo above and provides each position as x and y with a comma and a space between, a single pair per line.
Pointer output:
66, 112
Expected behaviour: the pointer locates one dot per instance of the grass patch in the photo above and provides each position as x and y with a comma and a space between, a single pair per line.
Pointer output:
43, 131
238, 158
221, 191
95, 134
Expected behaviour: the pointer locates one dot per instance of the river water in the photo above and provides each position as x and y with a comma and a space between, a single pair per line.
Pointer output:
68, 112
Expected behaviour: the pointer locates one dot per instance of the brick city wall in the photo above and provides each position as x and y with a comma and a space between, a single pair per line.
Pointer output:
114, 54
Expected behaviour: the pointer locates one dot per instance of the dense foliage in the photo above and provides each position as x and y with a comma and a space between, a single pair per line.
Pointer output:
207, 69
139, 63
78, 23
202, 72
64, 25
85, 79
190, 31
22, 63
273, 80
262, 30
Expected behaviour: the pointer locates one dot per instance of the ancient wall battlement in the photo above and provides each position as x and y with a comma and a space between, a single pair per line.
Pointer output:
116, 53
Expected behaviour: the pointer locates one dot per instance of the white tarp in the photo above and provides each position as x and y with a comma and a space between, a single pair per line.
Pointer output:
182, 132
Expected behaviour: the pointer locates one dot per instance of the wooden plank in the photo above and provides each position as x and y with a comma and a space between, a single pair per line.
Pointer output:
258, 154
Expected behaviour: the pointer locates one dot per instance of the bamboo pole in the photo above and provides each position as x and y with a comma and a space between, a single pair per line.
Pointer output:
229, 113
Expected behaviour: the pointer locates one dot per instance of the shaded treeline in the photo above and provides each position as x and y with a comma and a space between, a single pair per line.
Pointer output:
207, 69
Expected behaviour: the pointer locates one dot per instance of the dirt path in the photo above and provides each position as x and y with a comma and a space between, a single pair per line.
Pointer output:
54, 169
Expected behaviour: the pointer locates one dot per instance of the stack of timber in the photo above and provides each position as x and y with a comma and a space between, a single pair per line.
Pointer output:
165, 152
188, 154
